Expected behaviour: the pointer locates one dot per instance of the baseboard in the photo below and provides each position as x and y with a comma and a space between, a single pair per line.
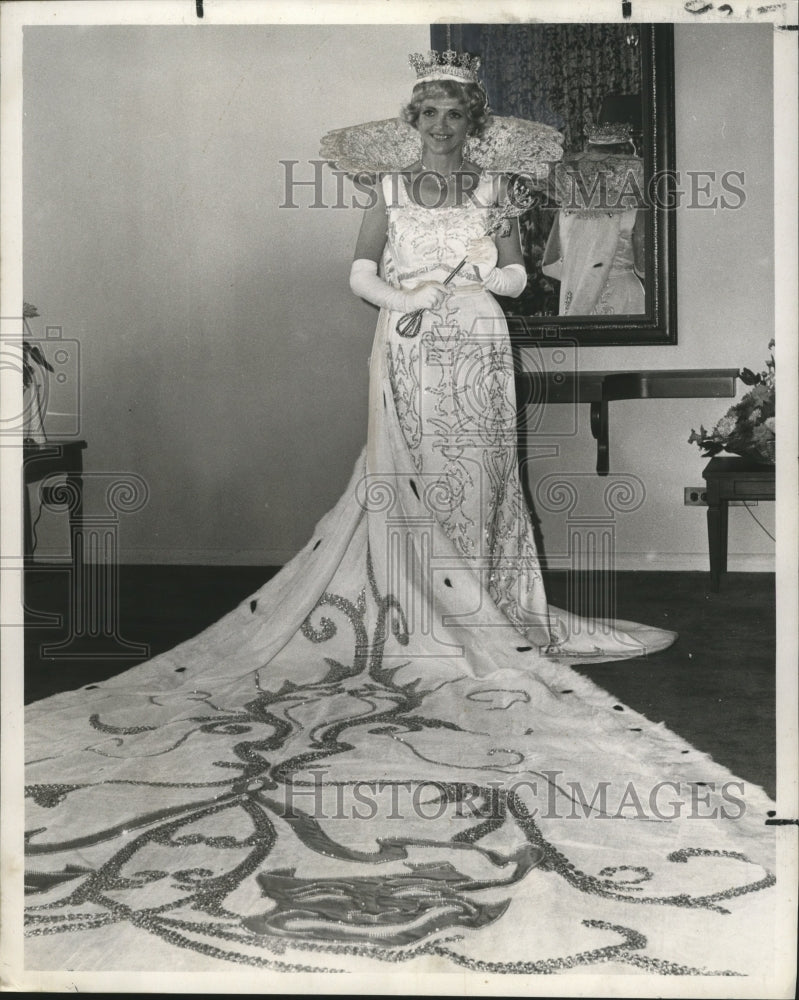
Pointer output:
746, 562
203, 557
742, 562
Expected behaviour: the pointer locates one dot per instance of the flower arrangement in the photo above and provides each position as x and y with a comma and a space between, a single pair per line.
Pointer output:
747, 428
34, 381
31, 353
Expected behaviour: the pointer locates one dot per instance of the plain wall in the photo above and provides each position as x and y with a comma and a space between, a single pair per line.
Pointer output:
223, 358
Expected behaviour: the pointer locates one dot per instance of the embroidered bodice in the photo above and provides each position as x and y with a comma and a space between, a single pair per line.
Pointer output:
426, 242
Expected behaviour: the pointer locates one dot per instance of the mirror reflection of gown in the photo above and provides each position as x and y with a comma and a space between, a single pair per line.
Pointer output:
197, 812
591, 255
591, 249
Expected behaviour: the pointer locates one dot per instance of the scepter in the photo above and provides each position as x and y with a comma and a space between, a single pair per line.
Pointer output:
518, 200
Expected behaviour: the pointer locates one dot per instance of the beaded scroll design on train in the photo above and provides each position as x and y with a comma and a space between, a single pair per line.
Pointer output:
356, 907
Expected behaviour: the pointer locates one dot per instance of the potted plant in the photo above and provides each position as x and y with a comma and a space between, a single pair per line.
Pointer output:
34, 367
748, 427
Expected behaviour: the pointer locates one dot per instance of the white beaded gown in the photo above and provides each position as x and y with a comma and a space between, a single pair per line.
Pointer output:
591, 249
595, 266
382, 759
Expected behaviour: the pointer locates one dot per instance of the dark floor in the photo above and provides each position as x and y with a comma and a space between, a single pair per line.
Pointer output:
715, 686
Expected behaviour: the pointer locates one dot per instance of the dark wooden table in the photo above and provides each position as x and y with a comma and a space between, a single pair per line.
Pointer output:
731, 479
598, 388
54, 458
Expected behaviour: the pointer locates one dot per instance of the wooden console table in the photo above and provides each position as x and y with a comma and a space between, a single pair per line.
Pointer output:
61, 457
731, 479
601, 388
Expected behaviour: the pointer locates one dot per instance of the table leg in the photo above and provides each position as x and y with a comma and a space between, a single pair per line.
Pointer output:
716, 523
28, 529
75, 488
599, 429
724, 508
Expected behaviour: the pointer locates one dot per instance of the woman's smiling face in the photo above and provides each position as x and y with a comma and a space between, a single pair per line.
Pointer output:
443, 124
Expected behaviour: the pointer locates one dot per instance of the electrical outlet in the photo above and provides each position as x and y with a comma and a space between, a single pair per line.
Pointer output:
695, 496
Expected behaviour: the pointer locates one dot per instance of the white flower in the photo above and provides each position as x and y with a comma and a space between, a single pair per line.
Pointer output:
725, 426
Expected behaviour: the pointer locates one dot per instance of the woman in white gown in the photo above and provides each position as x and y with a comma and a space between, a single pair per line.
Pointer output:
382, 755
595, 248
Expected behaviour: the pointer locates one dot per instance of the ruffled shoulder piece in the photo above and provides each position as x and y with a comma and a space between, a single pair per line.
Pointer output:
612, 183
373, 147
514, 145
508, 145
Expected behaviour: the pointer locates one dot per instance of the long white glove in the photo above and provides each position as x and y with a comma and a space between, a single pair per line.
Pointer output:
364, 281
510, 280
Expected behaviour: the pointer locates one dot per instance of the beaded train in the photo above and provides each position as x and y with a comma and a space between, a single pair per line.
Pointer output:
383, 756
